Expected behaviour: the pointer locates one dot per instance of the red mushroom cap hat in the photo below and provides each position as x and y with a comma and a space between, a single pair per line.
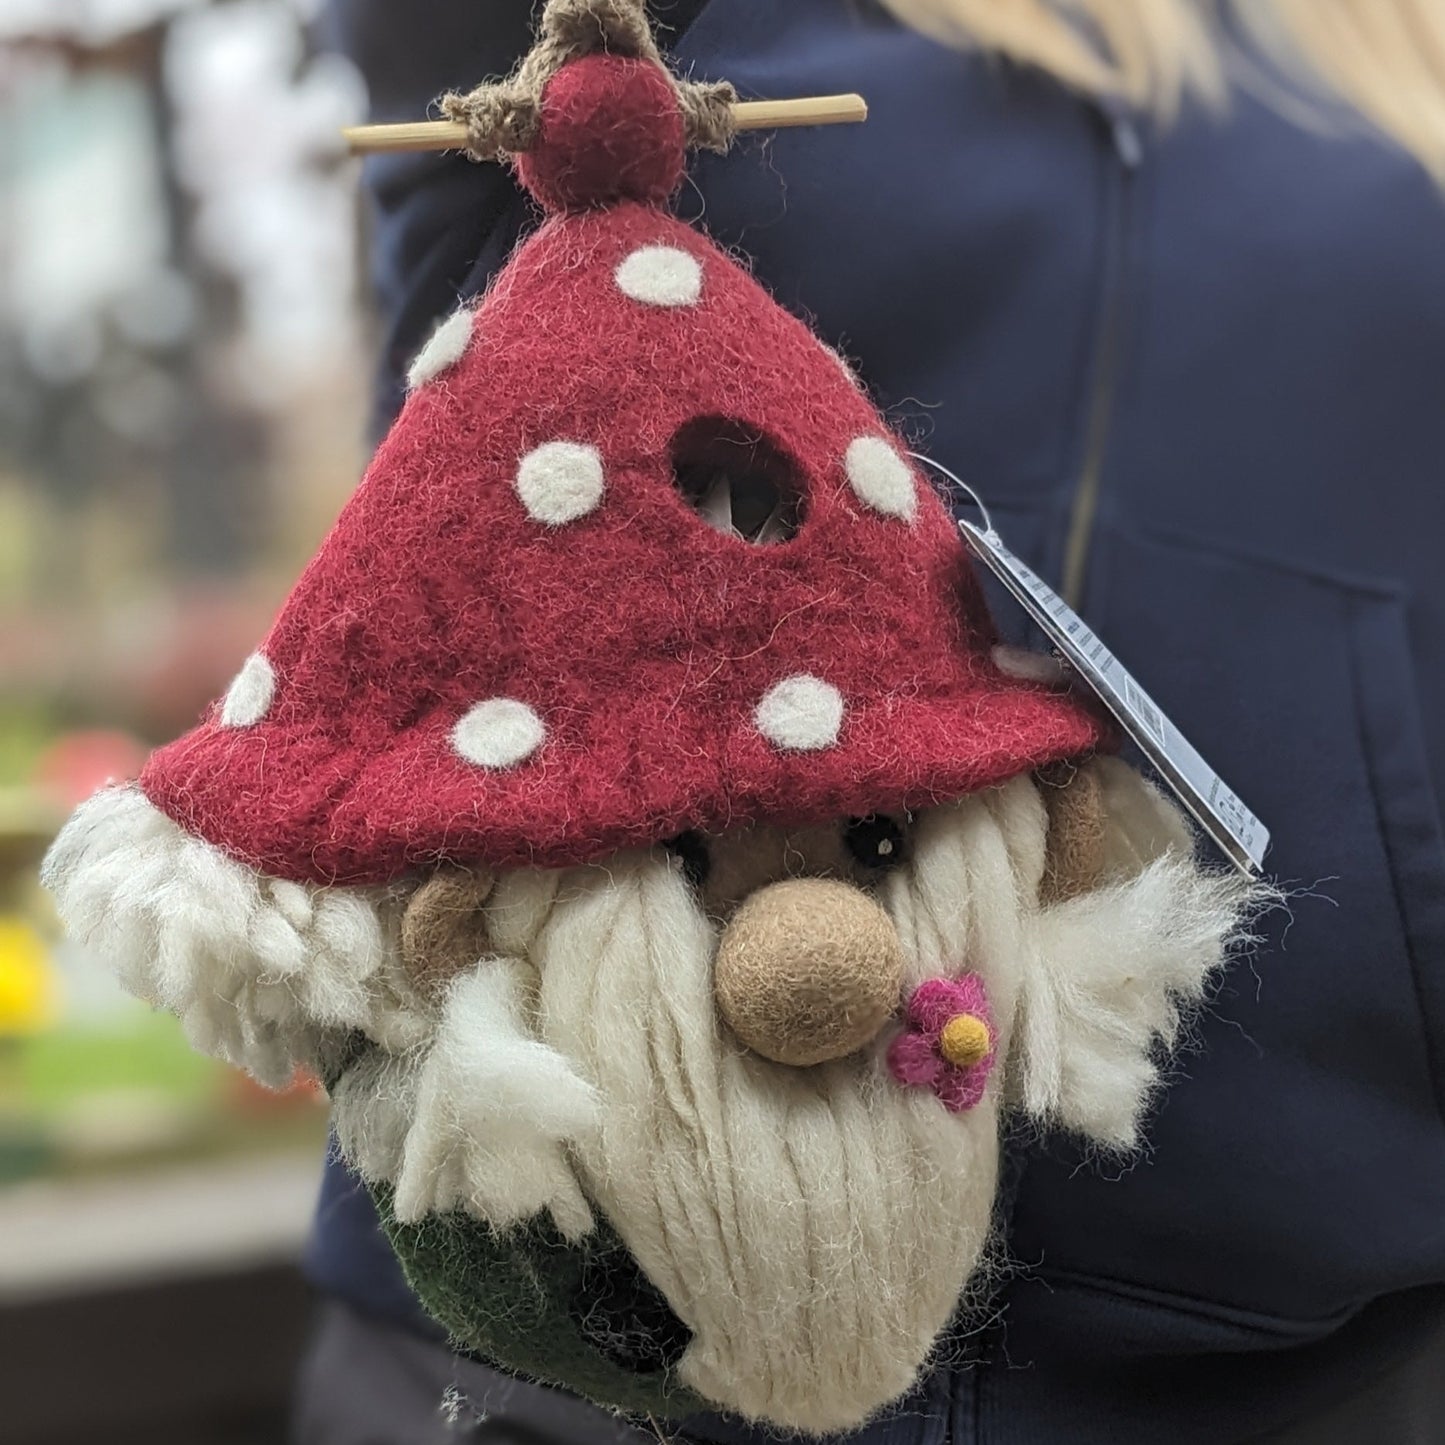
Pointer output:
523, 644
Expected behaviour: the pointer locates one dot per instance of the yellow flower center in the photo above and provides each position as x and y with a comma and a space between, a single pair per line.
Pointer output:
965, 1040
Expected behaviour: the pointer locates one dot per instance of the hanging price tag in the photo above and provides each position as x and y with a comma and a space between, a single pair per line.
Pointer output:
1233, 827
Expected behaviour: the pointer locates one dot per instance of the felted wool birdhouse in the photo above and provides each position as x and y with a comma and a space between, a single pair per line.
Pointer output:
632, 818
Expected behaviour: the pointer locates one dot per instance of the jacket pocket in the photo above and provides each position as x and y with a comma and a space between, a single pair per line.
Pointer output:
1295, 1164
1393, 746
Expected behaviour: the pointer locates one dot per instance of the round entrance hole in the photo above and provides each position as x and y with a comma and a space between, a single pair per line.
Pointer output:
737, 479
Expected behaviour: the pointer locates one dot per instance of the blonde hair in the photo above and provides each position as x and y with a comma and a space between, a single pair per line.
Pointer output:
1386, 58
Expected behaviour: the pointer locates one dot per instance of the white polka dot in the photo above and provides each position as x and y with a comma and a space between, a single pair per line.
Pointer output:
445, 348
498, 733
801, 713
1029, 666
560, 481
880, 477
661, 276
250, 693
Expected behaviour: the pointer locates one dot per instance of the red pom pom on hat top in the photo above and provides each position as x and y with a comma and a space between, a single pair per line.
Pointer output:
611, 130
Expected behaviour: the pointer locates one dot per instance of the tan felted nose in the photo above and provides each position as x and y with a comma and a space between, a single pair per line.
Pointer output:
808, 970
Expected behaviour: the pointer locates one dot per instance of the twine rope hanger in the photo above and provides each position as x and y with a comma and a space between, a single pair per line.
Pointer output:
503, 116
500, 118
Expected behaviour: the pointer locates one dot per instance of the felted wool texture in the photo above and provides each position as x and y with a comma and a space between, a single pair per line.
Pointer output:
610, 129
802, 713
643, 639
1086, 994
249, 695
494, 1111
560, 481
660, 276
504, 117
747, 859
807, 970
1143, 824
880, 477
1073, 796
260, 971
443, 928
511, 1296
498, 733
443, 349
1113, 972
374, 1109
812, 1227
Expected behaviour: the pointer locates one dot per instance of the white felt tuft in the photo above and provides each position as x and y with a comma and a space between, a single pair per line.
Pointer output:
493, 1112
498, 733
660, 276
801, 713
560, 481
880, 477
1029, 666
261, 972
249, 696
1111, 974
445, 347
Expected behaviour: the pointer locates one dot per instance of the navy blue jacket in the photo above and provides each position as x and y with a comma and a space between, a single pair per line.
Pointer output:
1200, 375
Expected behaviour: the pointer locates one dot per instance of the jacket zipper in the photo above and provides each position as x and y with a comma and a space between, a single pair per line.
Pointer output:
968, 1381
1099, 415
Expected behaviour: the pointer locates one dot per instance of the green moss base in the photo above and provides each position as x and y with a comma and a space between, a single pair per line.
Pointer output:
512, 1300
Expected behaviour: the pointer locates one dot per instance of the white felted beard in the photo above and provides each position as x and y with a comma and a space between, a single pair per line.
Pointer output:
816, 1228
263, 973
813, 1228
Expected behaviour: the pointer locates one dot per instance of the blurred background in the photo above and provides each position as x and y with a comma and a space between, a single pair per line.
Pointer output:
183, 368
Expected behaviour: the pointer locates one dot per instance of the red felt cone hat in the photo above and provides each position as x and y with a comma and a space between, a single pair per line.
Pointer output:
532, 636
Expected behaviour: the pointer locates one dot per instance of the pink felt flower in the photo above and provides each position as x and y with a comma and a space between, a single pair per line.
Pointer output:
948, 1042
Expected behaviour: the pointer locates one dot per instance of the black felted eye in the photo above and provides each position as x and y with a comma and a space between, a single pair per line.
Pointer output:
875, 841
691, 851
737, 480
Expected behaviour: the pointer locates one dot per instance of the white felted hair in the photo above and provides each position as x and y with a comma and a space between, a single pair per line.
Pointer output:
494, 1110
1110, 973
813, 1228
261, 972
1085, 991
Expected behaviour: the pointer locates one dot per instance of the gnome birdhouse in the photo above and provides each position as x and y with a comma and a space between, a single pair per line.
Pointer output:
632, 818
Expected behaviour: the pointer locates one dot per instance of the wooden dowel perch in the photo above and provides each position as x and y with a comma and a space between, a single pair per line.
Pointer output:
444, 135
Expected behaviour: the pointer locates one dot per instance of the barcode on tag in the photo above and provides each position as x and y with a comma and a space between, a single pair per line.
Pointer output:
1241, 836
1143, 704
